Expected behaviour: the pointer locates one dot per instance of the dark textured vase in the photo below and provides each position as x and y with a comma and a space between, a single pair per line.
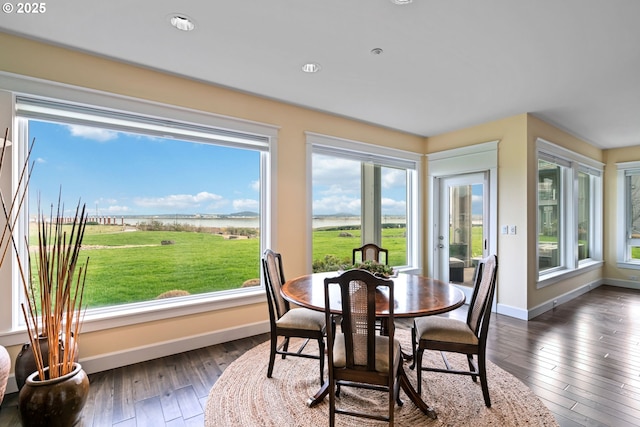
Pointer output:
54, 402
26, 364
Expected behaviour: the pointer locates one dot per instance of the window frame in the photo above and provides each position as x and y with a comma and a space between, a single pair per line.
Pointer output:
383, 156
14, 86
624, 241
572, 164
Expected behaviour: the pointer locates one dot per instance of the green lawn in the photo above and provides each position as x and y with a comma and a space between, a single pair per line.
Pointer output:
134, 266
126, 267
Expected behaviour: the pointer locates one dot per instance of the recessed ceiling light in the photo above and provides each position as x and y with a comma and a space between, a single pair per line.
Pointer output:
182, 22
401, 1
377, 51
311, 67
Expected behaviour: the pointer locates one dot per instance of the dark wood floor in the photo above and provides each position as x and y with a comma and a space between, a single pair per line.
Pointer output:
582, 359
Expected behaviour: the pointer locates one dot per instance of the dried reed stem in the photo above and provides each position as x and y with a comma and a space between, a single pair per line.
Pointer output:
60, 297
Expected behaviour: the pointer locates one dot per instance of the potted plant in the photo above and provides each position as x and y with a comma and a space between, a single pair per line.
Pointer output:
373, 267
56, 392
53, 311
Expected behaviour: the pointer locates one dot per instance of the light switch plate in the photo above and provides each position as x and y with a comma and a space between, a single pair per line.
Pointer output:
512, 229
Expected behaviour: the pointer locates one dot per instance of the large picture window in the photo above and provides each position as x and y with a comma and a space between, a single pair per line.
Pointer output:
176, 209
569, 211
360, 196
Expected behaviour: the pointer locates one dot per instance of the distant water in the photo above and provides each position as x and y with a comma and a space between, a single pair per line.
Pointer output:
245, 222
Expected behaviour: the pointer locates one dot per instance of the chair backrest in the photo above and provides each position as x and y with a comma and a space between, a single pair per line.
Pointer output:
484, 289
358, 289
371, 252
274, 278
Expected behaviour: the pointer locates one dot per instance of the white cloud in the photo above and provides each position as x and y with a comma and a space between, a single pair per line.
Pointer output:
336, 203
393, 207
240, 205
95, 134
255, 185
178, 202
117, 209
332, 171
393, 178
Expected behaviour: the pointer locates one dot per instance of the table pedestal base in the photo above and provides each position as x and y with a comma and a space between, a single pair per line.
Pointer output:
404, 384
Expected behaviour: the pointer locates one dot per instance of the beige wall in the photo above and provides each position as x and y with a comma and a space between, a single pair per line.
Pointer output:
517, 273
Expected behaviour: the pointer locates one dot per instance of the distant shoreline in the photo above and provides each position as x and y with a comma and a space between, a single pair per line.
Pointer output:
223, 221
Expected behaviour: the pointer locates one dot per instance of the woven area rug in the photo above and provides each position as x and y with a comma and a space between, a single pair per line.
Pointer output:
244, 396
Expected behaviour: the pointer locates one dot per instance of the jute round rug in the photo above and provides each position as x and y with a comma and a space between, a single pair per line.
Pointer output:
244, 396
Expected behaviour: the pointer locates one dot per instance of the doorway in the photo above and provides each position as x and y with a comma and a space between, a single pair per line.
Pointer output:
462, 212
462, 229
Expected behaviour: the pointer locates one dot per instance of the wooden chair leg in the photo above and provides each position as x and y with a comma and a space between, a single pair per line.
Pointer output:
413, 347
332, 403
321, 347
392, 404
272, 355
472, 367
418, 362
285, 346
482, 367
397, 387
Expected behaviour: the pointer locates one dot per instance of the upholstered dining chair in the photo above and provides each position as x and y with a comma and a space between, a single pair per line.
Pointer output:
289, 322
447, 334
370, 252
357, 356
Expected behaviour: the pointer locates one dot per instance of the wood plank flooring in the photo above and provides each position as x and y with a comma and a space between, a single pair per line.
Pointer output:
582, 359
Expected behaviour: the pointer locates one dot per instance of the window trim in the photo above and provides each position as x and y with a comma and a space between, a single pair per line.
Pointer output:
13, 86
383, 156
624, 169
573, 163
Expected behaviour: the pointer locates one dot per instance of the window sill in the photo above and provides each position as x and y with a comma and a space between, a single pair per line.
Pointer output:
132, 314
557, 276
629, 265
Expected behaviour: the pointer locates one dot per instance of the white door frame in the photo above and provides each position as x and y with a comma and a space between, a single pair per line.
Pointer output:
475, 158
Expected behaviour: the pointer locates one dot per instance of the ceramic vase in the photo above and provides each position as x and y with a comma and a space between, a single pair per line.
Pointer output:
56, 402
5, 367
26, 364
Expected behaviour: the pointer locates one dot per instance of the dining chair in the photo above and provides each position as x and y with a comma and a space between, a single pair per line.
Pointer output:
289, 322
357, 355
370, 252
446, 334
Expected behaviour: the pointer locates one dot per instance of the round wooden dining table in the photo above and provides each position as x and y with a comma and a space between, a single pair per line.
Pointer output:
414, 296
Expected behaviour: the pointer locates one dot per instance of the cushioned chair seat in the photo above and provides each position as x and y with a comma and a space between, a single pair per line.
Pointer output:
382, 354
437, 328
302, 318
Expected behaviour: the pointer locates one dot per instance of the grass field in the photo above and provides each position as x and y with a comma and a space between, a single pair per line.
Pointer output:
134, 266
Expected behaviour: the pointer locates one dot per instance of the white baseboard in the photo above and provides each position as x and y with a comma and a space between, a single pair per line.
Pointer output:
510, 311
630, 284
550, 304
103, 362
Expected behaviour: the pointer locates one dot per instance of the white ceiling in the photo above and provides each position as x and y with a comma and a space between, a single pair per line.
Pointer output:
447, 64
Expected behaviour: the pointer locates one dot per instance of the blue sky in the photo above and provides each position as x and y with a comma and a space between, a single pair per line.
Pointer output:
336, 187
117, 173
124, 174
